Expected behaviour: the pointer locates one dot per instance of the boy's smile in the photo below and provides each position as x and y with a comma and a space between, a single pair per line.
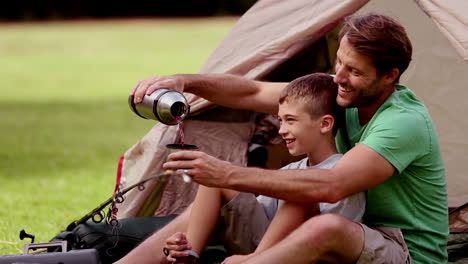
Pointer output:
298, 129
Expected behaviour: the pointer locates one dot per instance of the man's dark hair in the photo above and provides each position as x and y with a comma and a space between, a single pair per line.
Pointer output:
380, 38
318, 93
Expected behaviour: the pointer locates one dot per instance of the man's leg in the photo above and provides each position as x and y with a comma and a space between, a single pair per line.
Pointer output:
150, 250
328, 237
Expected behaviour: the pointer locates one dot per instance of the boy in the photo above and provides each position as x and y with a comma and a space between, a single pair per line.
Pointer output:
309, 118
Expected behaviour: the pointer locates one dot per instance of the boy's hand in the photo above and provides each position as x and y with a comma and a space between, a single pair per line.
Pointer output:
175, 246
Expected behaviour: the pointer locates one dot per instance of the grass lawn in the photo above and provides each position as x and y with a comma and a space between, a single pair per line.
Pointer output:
64, 118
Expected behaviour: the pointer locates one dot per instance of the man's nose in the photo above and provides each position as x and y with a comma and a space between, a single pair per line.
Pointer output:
340, 76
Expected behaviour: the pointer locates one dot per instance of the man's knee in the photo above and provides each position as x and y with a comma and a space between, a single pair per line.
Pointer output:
327, 227
338, 239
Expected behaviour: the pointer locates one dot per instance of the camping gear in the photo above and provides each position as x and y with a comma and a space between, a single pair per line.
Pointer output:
114, 242
111, 242
112, 238
97, 215
51, 253
88, 256
166, 106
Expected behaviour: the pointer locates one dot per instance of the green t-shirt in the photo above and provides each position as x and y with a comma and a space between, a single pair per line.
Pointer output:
414, 199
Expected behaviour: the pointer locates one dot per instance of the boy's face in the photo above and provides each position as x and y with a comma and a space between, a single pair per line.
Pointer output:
298, 129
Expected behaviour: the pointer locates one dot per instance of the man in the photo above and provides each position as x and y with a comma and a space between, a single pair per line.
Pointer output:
391, 151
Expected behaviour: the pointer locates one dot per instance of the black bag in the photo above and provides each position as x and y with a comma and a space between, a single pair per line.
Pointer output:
112, 242
114, 238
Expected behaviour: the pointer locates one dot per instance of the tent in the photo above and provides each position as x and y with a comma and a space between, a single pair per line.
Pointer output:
280, 40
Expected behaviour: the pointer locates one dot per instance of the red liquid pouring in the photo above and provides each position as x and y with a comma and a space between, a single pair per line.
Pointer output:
181, 130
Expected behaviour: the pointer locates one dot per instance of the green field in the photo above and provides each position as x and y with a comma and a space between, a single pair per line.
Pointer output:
64, 114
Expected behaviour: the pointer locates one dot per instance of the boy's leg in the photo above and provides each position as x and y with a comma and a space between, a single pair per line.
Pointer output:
150, 250
205, 214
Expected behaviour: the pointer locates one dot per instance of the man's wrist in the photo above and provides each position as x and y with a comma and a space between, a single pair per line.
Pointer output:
186, 81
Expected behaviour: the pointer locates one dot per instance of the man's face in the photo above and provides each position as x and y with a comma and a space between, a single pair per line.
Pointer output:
357, 78
300, 132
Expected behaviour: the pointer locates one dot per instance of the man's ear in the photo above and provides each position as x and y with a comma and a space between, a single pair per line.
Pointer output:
392, 75
327, 124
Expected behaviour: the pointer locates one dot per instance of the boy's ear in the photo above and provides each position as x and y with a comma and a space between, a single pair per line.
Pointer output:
327, 124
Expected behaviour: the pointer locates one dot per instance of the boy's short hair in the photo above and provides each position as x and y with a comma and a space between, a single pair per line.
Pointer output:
318, 92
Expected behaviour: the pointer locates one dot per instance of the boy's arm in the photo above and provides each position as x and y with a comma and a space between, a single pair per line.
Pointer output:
289, 217
204, 217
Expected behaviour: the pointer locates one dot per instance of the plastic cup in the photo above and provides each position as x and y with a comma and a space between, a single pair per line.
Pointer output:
171, 148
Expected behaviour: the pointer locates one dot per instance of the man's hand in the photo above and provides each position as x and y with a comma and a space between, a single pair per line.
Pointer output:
175, 246
149, 85
203, 168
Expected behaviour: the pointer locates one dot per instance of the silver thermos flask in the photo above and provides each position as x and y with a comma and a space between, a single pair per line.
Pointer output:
166, 106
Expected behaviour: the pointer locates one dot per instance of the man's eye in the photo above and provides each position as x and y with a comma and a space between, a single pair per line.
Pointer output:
355, 73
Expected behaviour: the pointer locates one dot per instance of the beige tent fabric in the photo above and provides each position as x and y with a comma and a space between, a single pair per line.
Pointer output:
452, 19
227, 141
270, 33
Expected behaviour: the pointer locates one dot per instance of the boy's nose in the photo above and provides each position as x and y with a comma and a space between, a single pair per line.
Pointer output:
282, 131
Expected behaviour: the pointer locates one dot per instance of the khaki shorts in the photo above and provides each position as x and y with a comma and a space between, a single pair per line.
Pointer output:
242, 224
384, 245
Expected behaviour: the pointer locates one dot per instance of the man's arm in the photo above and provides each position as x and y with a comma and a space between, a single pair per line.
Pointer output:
359, 169
223, 89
